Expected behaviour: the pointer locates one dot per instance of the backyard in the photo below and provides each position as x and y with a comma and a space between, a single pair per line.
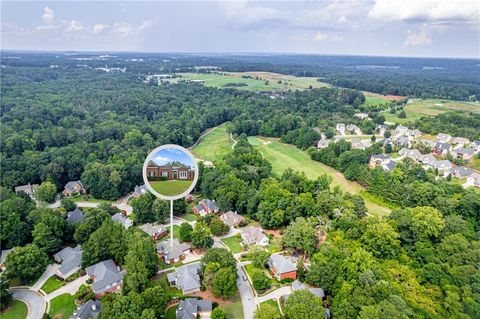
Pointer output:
52, 284
171, 188
234, 244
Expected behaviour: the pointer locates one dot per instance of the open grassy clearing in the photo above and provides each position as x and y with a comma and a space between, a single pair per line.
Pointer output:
52, 284
255, 81
171, 188
17, 310
62, 307
214, 145
283, 156
430, 107
233, 243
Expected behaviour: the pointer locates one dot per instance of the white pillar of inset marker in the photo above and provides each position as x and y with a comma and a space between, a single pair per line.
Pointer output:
171, 223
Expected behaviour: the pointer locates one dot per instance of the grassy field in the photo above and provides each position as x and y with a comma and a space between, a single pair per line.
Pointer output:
62, 307
273, 303
52, 284
233, 243
171, 188
430, 107
17, 310
234, 310
255, 81
283, 156
214, 145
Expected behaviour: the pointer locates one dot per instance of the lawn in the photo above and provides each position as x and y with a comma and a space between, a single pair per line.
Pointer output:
16, 310
189, 217
250, 268
214, 145
474, 163
283, 156
90, 199
52, 284
176, 233
273, 303
171, 312
233, 243
171, 188
430, 107
62, 306
234, 310
255, 81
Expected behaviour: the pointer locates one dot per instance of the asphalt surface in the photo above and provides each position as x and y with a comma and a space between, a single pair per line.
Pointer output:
246, 294
35, 302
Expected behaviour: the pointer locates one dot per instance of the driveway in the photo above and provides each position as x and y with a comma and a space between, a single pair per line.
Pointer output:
246, 294
35, 303
88, 204
276, 294
70, 288
49, 271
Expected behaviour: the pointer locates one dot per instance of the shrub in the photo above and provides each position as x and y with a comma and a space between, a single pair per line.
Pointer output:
260, 280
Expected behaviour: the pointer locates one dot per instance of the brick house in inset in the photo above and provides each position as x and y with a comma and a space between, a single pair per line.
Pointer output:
170, 172
282, 267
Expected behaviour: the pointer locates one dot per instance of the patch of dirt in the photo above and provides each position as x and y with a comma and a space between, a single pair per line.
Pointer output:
274, 232
208, 294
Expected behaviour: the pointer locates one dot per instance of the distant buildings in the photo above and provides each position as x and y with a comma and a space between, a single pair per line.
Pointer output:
323, 144
340, 128
443, 138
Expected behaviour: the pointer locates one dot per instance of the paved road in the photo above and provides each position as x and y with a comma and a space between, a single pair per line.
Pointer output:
246, 294
49, 271
70, 288
35, 303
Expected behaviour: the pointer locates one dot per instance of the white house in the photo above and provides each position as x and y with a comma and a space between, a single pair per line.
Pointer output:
340, 128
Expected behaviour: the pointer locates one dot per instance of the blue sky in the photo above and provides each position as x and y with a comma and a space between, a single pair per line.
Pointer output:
434, 28
167, 155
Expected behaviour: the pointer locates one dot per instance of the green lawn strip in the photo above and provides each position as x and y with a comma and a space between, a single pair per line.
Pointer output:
273, 303
16, 310
283, 156
189, 217
170, 188
234, 310
214, 145
233, 243
90, 199
62, 306
52, 284
171, 312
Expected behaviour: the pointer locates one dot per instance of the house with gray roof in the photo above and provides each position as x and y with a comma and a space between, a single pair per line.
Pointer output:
442, 148
460, 141
403, 141
413, 154
389, 166
428, 143
441, 166
340, 128
443, 138
125, 221
106, 276
460, 171
282, 267
426, 159
463, 153
205, 206
28, 189
186, 278
89, 310
172, 252
473, 180
297, 285
362, 116
352, 128
253, 236
413, 133
232, 219
73, 187
360, 144
323, 143
401, 129
155, 231
70, 260
379, 159
75, 216
475, 145
192, 308
139, 191
381, 128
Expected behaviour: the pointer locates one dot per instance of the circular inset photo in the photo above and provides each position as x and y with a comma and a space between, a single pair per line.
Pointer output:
170, 172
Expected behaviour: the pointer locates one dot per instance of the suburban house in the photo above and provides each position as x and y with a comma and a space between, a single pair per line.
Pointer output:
254, 236
170, 172
73, 188
385, 141
186, 278
232, 219
460, 141
106, 277
389, 166
443, 138
413, 133
461, 172
428, 143
205, 206
154, 231
441, 148
125, 221
465, 154
441, 166
426, 159
171, 253
381, 128
473, 180
403, 141
340, 128
359, 144
352, 128
401, 129
75, 216
192, 308
413, 154
90, 309
323, 143
70, 260
3, 257
28, 189
475, 145
362, 116
379, 159
139, 191
282, 267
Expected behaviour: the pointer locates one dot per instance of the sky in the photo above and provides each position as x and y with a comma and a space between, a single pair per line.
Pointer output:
423, 28
164, 156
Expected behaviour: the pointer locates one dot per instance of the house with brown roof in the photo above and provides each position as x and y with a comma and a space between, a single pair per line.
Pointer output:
205, 206
254, 236
232, 219
172, 252
154, 231
73, 188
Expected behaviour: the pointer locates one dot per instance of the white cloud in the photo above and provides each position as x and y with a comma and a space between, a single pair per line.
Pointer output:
145, 25
319, 36
417, 38
99, 28
74, 26
48, 16
242, 15
427, 11
122, 29
161, 160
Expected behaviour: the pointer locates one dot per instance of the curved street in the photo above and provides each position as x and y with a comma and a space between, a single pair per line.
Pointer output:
35, 303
